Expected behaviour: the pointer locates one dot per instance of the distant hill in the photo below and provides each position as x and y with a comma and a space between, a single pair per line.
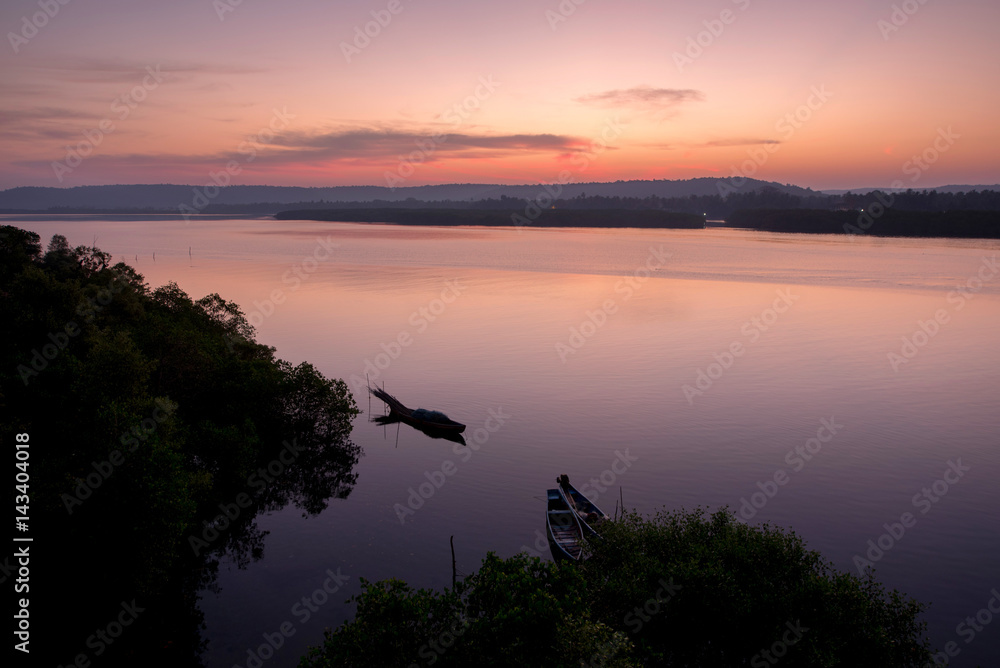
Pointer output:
171, 198
940, 189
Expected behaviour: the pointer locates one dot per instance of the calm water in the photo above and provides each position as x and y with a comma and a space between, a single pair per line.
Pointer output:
582, 342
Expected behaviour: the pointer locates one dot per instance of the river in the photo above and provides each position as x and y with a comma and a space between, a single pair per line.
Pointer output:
668, 368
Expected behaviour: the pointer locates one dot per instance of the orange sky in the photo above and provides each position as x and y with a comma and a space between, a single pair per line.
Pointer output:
294, 93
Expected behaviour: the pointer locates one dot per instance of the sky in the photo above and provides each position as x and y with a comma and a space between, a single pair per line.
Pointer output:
857, 93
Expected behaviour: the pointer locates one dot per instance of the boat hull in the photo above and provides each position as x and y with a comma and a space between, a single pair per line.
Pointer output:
565, 532
450, 426
592, 515
453, 435
412, 417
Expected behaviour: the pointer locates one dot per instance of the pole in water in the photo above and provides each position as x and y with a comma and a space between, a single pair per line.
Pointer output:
453, 569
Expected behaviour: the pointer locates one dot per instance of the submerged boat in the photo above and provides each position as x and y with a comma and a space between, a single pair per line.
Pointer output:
421, 418
590, 515
564, 528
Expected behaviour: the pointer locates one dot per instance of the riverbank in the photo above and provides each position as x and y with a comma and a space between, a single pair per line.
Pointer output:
878, 221
649, 218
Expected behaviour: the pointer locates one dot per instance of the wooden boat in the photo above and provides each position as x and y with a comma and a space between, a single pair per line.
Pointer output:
395, 418
564, 528
590, 515
420, 418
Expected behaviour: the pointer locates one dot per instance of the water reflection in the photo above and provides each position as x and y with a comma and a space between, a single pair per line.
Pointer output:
494, 348
434, 424
108, 567
397, 419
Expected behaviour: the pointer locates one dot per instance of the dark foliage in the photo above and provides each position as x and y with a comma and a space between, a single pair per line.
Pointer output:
146, 411
882, 222
512, 612
529, 215
678, 589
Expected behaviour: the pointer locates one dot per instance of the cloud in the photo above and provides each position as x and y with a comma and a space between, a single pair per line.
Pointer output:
715, 143
643, 97
371, 143
737, 142
41, 123
354, 147
76, 70
11, 116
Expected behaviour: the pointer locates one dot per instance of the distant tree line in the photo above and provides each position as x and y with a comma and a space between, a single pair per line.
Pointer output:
710, 206
879, 222
878, 213
645, 218
928, 200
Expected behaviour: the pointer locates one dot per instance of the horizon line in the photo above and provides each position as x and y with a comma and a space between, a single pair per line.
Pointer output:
517, 185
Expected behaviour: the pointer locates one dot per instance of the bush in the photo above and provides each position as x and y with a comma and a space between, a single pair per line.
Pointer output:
740, 590
519, 611
677, 589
